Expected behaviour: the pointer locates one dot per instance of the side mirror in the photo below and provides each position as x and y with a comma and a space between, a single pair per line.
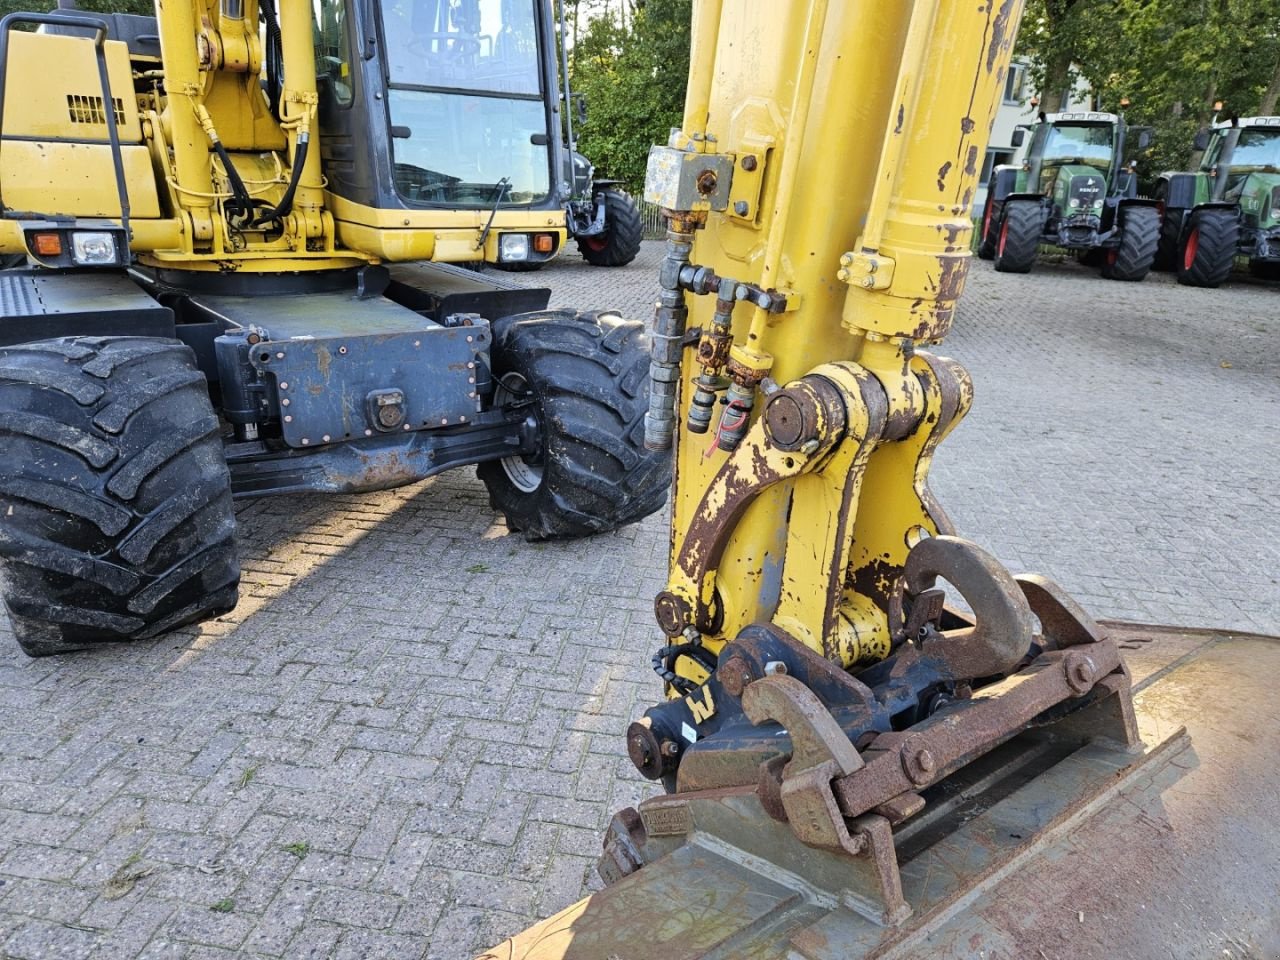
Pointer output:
580, 107
1201, 141
1144, 139
1019, 137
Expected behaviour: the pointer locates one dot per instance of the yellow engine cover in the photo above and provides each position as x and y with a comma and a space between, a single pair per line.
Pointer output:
55, 156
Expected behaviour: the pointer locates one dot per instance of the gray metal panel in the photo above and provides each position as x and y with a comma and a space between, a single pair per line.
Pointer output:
316, 315
41, 306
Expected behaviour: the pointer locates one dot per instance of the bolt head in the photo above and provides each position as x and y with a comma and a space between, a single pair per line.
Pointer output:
749, 162
741, 208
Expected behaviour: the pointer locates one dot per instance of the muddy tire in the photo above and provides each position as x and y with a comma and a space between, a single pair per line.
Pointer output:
619, 244
1208, 250
586, 380
1019, 239
989, 228
115, 495
1139, 236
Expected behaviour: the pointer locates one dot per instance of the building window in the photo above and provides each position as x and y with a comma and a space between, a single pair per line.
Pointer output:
1014, 83
995, 157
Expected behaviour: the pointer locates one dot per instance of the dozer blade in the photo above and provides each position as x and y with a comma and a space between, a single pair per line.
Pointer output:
1039, 849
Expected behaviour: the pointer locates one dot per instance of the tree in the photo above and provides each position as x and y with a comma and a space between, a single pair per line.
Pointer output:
1171, 58
633, 68
144, 7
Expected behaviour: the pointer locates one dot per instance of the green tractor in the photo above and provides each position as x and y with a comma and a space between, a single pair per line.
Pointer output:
1074, 191
1229, 207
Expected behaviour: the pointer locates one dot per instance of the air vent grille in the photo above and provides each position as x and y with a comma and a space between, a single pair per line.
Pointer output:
89, 109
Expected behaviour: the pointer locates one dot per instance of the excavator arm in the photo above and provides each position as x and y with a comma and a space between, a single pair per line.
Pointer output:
869, 723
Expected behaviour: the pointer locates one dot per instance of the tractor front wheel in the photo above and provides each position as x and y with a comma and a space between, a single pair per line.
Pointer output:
1021, 224
1139, 235
115, 494
989, 231
1208, 250
585, 378
619, 243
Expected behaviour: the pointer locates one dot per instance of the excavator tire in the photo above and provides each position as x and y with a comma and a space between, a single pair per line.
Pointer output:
115, 495
586, 377
620, 242
989, 230
1208, 250
1139, 235
1019, 240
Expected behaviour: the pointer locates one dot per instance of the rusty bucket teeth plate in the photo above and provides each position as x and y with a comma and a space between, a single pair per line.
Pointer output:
1038, 850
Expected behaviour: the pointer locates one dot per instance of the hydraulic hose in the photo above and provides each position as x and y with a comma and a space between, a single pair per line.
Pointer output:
286, 201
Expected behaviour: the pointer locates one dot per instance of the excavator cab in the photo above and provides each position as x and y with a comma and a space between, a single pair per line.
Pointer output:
443, 106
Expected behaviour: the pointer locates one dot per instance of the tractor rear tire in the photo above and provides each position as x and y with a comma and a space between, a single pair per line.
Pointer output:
1139, 236
989, 229
1264, 269
587, 376
1170, 235
619, 244
1021, 225
116, 497
1208, 250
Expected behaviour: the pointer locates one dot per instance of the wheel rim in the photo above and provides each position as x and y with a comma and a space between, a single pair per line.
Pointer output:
524, 475
1193, 246
1004, 236
986, 222
1113, 255
597, 242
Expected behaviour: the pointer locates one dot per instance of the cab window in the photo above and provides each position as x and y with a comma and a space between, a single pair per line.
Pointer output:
333, 50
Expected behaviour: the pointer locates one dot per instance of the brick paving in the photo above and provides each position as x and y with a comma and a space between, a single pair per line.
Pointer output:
407, 739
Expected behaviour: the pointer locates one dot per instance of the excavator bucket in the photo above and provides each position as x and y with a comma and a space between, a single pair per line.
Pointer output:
1049, 846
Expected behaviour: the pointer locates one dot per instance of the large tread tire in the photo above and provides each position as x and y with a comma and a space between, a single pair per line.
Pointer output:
989, 228
588, 375
1170, 237
1139, 236
1021, 225
1208, 250
114, 493
619, 244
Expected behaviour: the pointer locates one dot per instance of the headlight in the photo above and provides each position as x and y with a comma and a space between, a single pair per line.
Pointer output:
1075, 201
93, 248
513, 246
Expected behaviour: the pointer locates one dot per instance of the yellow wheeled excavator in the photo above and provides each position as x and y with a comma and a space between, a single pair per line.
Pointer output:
234, 224
877, 741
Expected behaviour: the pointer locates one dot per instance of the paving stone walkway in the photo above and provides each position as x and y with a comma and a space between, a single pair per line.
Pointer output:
407, 739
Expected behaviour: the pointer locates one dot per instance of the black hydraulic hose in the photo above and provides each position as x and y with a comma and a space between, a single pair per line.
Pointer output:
241, 206
664, 662
286, 201
274, 54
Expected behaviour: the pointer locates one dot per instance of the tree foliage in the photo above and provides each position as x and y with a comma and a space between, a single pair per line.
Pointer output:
1172, 58
632, 63
144, 7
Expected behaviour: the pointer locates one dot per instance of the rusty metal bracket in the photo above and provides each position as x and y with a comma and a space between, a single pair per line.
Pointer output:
898, 763
1002, 632
820, 753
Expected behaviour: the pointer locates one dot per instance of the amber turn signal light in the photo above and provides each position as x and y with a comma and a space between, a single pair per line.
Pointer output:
47, 244
544, 242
